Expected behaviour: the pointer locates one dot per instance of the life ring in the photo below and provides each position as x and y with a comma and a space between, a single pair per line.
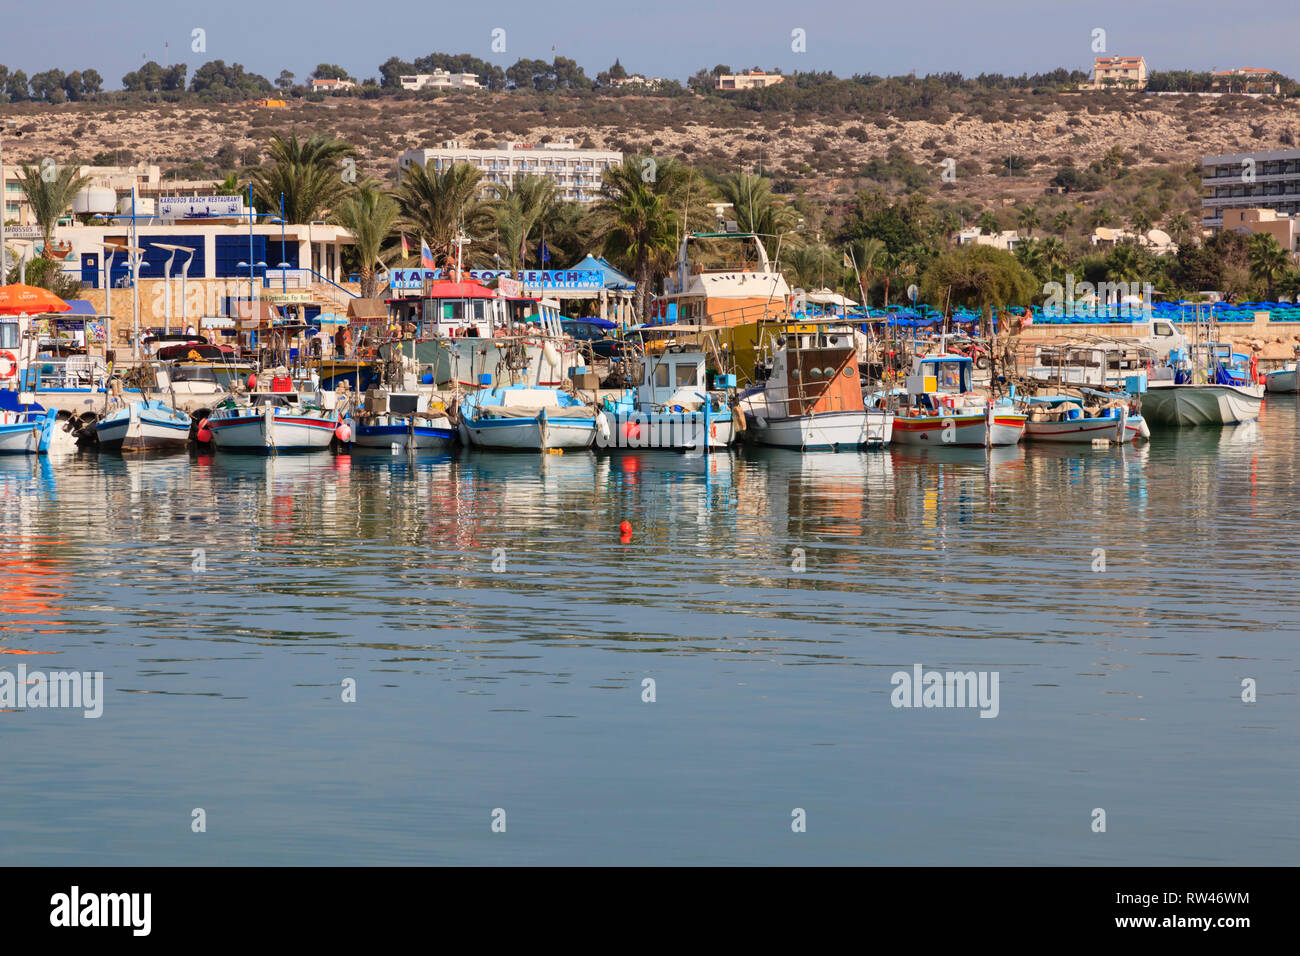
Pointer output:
13, 364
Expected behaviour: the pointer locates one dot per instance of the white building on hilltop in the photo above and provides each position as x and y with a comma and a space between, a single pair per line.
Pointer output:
576, 172
441, 80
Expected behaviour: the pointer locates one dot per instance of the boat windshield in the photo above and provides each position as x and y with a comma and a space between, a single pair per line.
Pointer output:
949, 376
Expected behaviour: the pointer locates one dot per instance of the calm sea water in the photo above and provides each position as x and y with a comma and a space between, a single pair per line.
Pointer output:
520, 688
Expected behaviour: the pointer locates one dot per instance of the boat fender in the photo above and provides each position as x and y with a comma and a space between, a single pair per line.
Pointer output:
602, 427
737, 420
204, 434
1254, 369
252, 381
343, 433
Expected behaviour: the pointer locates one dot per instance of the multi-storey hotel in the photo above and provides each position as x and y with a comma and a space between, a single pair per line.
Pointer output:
576, 172
1267, 180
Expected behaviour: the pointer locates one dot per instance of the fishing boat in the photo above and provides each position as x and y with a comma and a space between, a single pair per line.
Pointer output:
528, 418
1068, 418
812, 397
1283, 379
274, 422
943, 410
1206, 384
28, 432
146, 425
402, 421
464, 330
671, 408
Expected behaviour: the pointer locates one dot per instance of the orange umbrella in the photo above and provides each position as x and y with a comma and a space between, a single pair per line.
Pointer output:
18, 298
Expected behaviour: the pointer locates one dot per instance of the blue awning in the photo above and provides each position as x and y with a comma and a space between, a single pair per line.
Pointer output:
611, 278
79, 307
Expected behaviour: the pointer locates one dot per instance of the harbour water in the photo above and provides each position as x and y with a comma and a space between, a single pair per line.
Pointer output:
500, 632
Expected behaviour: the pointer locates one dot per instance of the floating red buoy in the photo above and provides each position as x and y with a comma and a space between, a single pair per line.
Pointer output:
625, 528
204, 435
343, 433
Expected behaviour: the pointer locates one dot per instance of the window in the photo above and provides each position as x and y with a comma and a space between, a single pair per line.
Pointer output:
686, 376
661, 376
453, 310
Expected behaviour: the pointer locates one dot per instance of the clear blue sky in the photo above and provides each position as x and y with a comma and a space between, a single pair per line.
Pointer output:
667, 38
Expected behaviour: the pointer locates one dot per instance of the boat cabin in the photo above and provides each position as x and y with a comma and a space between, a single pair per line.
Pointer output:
814, 369
672, 378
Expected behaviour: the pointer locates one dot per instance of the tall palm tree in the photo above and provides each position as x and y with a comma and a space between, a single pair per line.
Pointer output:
522, 208
756, 207
1053, 255
370, 216
869, 256
1029, 219
1141, 221
1061, 222
308, 174
1180, 227
808, 266
440, 205
1269, 262
638, 222
50, 198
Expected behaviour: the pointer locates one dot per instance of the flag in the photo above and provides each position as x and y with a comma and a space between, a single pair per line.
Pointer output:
543, 254
406, 250
847, 263
426, 257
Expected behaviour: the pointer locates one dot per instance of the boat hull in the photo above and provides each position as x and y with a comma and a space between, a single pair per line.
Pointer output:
528, 434
419, 438
829, 430
259, 433
21, 438
133, 429
961, 431
1282, 380
669, 431
1181, 406
1111, 428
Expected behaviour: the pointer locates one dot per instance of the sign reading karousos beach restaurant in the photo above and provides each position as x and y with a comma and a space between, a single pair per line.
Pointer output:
589, 280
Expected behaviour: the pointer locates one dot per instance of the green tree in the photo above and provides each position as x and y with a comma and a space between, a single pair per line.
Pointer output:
370, 216
1061, 222
50, 196
1028, 219
329, 71
755, 207
17, 87
441, 205
522, 209
308, 173
988, 223
979, 277
1269, 262
637, 222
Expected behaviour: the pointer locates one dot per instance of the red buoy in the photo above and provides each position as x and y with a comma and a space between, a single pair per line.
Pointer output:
625, 528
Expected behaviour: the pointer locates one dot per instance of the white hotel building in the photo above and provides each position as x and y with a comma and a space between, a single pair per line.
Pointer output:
576, 172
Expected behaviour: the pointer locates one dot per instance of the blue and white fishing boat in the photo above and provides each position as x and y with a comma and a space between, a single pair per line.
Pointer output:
29, 432
272, 422
146, 425
670, 408
1066, 418
528, 419
402, 421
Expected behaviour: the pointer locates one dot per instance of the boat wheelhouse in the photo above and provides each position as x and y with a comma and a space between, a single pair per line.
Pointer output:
672, 408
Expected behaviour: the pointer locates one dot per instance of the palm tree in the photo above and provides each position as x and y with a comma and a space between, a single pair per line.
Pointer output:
1061, 222
637, 220
1180, 228
1141, 221
1053, 255
442, 204
1029, 219
1269, 262
869, 256
309, 175
756, 208
1125, 264
50, 198
988, 223
808, 266
370, 216
522, 207
1029, 254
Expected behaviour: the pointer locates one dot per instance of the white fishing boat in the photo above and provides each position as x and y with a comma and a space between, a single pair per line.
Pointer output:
528, 418
1282, 380
27, 432
812, 397
1071, 419
273, 422
671, 408
944, 411
1172, 404
146, 425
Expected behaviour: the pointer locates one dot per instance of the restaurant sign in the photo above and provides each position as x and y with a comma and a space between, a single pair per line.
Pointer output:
200, 207
534, 279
